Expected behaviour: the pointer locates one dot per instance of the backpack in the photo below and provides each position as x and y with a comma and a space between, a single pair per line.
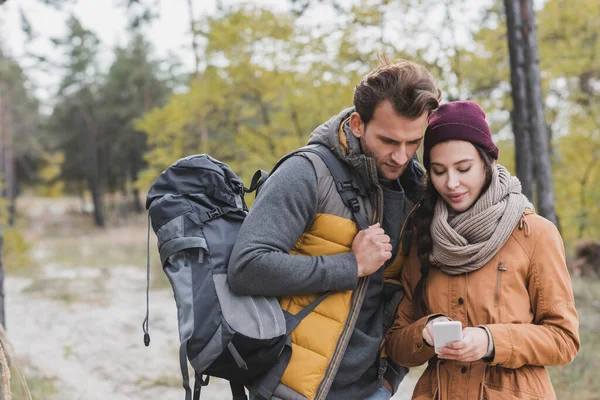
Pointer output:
196, 208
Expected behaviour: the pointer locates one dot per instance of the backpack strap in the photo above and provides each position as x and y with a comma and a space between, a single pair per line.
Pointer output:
238, 391
272, 378
215, 213
146, 322
344, 183
198, 382
258, 179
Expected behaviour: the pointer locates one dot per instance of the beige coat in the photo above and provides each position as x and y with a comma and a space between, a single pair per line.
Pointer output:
523, 295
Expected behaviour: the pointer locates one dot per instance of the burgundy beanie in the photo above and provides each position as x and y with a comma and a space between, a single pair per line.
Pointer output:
458, 120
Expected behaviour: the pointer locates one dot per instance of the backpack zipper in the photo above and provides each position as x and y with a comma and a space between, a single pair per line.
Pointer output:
500, 269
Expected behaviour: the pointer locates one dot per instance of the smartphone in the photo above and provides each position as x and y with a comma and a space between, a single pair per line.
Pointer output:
445, 332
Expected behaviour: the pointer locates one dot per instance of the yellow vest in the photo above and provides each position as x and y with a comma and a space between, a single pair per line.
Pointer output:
319, 341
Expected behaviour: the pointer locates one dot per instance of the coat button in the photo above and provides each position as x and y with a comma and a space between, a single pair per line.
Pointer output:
463, 370
461, 301
419, 345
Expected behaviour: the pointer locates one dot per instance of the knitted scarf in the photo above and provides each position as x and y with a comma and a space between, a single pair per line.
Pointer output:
466, 241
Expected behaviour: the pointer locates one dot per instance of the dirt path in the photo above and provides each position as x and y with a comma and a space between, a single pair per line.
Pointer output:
92, 348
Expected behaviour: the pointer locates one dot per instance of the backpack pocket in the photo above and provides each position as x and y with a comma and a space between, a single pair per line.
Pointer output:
255, 317
187, 265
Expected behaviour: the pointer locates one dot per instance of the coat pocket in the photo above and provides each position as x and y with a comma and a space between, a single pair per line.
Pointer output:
525, 383
504, 393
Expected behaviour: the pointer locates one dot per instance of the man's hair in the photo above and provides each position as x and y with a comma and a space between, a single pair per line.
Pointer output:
408, 86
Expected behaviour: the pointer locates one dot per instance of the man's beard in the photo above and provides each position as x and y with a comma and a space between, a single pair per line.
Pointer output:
363, 146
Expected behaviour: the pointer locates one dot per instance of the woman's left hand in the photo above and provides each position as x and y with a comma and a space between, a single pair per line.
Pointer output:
472, 347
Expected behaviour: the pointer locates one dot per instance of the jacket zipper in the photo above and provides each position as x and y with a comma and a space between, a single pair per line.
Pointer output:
500, 269
402, 231
397, 256
357, 299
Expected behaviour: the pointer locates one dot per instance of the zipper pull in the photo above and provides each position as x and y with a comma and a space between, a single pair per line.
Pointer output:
524, 224
501, 267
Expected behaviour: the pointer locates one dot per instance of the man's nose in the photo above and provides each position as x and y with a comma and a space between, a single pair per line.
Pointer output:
399, 156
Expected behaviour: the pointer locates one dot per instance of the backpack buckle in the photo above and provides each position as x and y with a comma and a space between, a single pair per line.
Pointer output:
344, 186
354, 205
215, 213
212, 214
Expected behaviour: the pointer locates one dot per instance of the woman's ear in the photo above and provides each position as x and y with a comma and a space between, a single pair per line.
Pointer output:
356, 125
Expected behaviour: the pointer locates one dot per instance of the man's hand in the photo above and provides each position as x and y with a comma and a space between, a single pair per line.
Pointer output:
371, 248
472, 347
428, 330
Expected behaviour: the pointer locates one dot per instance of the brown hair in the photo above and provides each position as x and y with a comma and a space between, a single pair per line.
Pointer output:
423, 218
408, 86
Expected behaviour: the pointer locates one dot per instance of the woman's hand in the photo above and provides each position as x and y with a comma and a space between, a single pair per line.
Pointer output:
472, 347
428, 330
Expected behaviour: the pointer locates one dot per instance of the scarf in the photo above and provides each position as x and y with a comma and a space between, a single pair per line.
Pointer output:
464, 242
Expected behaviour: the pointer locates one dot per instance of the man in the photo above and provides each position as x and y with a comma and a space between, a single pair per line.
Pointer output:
299, 239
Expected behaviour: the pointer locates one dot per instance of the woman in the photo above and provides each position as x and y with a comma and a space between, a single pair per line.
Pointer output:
481, 256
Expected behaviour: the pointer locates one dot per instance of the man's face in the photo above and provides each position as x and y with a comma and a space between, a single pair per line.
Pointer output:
389, 138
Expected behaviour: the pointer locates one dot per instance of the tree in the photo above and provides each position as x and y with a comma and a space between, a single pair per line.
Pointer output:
539, 136
520, 112
74, 117
259, 96
20, 153
18, 122
132, 87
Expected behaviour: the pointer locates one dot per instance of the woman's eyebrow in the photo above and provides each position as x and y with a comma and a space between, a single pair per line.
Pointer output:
464, 160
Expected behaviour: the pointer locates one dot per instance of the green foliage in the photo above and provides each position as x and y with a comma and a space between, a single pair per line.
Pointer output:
576, 175
256, 100
50, 184
23, 118
15, 249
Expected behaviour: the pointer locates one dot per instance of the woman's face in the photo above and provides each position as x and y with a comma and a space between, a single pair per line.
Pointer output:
457, 173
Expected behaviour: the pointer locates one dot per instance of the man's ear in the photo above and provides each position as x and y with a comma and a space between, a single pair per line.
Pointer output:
356, 125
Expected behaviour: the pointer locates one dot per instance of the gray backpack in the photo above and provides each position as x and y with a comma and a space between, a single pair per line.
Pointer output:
196, 208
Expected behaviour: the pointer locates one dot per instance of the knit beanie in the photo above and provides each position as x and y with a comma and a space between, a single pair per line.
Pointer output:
458, 120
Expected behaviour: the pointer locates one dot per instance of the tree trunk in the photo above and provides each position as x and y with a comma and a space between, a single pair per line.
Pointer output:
520, 115
2, 314
3, 134
94, 183
194, 37
539, 137
93, 170
137, 204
